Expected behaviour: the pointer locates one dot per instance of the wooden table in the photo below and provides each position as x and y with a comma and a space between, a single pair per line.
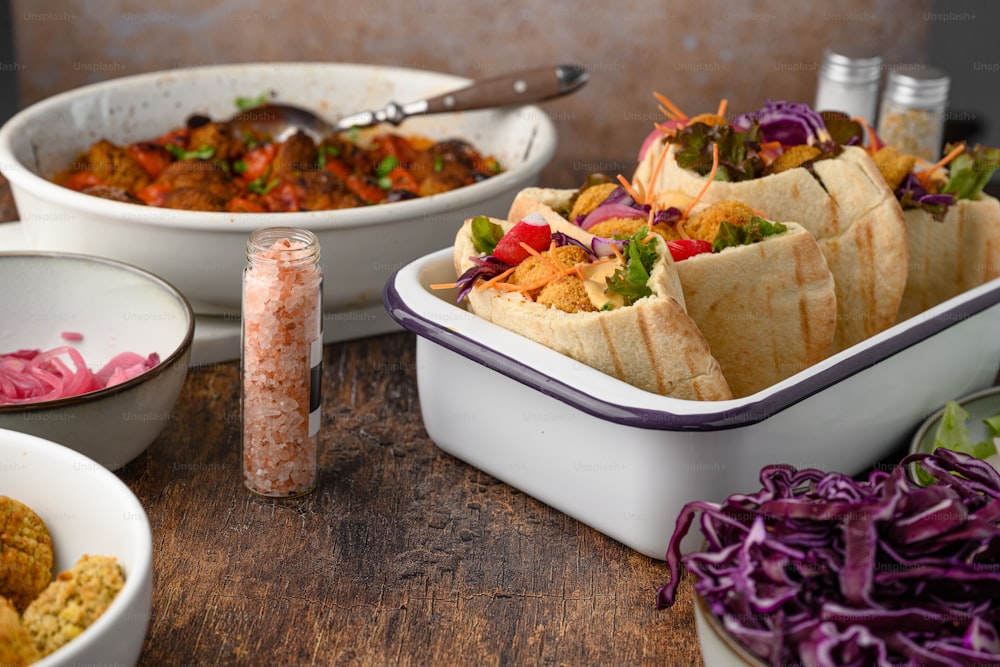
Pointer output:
404, 555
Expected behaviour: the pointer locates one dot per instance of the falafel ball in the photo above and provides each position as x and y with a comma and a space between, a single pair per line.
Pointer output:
705, 224
17, 647
73, 601
894, 165
590, 198
25, 553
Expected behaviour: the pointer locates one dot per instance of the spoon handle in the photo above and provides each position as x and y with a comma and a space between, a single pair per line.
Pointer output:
522, 87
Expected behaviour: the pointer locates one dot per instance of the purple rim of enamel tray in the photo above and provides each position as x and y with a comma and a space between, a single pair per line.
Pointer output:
745, 414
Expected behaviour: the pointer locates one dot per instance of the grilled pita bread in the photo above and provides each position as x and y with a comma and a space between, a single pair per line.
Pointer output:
652, 344
768, 310
950, 256
847, 207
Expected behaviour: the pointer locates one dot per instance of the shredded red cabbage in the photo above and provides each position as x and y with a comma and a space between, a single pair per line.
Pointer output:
912, 194
789, 123
820, 569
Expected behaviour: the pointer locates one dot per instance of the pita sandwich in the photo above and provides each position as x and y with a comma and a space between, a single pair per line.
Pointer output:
768, 309
953, 227
834, 191
561, 298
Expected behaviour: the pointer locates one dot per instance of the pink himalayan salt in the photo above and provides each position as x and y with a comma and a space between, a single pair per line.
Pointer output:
282, 329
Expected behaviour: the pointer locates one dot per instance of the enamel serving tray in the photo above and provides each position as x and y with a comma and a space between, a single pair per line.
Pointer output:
623, 460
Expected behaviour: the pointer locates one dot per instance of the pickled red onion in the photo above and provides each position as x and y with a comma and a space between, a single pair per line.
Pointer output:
33, 376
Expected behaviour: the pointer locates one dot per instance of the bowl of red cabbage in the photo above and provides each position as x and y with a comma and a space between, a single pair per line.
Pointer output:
93, 352
819, 568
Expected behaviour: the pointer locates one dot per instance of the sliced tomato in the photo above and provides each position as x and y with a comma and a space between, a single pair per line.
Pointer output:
681, 249
337, 167
153, 162
257, 162
401, 179
398, 147
244, 205
79, 180
282, 197
153, 194
362, 188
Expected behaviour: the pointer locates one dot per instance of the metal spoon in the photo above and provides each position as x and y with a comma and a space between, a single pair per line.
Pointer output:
524, 87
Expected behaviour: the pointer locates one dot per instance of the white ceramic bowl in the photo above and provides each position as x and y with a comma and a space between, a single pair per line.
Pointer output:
116, 308
203, 253
87, 510
980, 405
625, 461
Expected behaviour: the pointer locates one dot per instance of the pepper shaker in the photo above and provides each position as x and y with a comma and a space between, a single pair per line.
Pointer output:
281, 361
911, 119
849, 82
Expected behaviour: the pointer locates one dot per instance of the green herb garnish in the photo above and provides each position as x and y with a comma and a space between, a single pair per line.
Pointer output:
630, 280
203, 153
388, 163
244, 103
327, 151
756, 230
261, 185
970, 171
738, 151
485, 234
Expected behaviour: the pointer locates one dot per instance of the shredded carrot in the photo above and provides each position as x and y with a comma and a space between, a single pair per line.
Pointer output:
708, 182
542, 282
443, 285
925, 175
638, 196
766, 146
499, 278
721, 113
873, 142
551, 260
663, 129
618, 254
671, 111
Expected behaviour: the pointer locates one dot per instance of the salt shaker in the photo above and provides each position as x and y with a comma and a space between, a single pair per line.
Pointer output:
281, 361
849, 82
911, 119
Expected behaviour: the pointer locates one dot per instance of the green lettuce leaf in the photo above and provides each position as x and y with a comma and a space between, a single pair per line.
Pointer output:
485, 234
756, 230
631, 278
738, 151
969, 173
953, 433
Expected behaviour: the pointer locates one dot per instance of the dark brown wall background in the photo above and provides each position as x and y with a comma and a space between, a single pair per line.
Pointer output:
695, 53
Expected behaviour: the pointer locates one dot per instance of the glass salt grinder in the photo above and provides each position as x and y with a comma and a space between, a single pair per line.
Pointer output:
849, 82
911, 119
281, 361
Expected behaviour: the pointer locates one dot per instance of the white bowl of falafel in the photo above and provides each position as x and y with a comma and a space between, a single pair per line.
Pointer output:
77, 559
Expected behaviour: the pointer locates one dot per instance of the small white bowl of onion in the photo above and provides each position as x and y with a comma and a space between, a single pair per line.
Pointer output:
93, 352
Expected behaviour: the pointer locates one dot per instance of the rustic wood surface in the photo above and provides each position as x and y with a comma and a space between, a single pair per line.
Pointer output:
403, 555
